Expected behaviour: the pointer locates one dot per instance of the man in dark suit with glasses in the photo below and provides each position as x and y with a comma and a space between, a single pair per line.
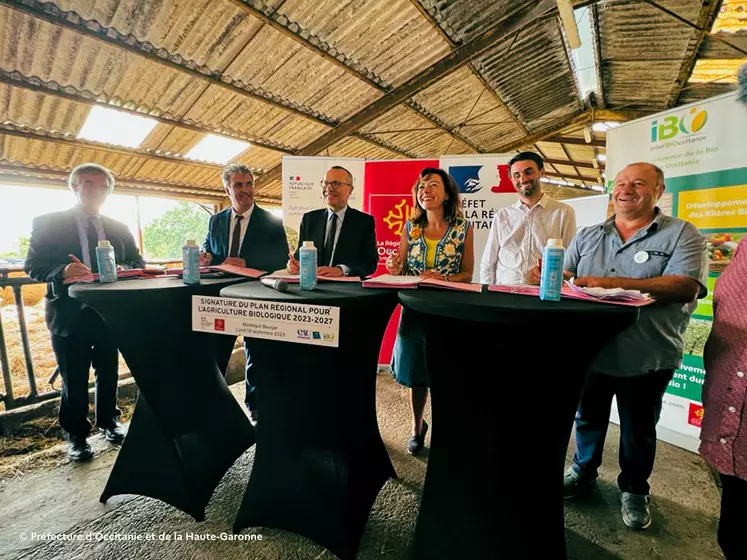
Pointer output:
345, 237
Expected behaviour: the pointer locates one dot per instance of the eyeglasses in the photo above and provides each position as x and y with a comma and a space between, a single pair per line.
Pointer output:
333, 185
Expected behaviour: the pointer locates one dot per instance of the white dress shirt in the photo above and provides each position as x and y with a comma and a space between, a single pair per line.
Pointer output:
519, 234
81, 220
244, 224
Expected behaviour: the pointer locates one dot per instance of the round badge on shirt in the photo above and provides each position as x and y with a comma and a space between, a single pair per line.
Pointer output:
641, 257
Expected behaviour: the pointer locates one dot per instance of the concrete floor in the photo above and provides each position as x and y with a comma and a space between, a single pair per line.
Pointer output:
65, 500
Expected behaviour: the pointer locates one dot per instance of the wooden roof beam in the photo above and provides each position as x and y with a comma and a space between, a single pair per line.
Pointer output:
281, 23
573, 177
708, 13
572, 163
51, 13
429, 18
30, 176
696, 27
16, 79
575, 141
8, 129
565, 151
449, 64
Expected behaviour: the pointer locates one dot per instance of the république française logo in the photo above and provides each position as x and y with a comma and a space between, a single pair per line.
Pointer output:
689, 123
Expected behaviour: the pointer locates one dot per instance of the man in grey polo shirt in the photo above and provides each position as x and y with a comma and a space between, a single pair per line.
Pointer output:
639, 248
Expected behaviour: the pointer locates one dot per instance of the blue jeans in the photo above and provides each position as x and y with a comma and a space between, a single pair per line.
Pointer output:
639, 401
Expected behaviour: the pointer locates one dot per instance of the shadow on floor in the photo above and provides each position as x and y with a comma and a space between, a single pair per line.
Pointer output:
580, 548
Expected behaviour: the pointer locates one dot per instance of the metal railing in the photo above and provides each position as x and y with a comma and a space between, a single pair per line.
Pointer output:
16, 284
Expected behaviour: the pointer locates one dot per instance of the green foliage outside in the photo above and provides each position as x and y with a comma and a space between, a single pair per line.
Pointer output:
696, 336
22, 247
165, 236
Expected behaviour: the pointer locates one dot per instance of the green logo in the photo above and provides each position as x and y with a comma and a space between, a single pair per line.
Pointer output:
687, 124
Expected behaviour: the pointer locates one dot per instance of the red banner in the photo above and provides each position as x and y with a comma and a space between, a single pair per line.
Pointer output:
387, 197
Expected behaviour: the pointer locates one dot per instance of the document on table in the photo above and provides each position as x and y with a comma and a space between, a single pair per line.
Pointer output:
393, 281
610, 294
296, 278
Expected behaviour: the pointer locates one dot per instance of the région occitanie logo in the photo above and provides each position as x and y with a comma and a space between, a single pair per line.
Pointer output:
398, 216
687, 124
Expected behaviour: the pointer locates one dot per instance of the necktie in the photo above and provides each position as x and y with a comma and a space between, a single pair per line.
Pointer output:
236, 237
93, 241
329, 243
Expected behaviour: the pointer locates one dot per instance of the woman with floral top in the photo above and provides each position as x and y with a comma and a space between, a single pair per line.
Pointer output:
436, 243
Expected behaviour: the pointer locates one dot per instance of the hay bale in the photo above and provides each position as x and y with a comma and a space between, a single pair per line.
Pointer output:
43, 357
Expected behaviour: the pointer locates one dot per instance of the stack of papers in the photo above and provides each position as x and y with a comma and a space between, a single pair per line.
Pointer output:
227, 268
237, 270
296, 278
410, 282
393, 281
154, 273
94, 277
618, 295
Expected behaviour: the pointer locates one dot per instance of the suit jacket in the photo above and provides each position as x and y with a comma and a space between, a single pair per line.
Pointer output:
265, 246
53, 238
356, 245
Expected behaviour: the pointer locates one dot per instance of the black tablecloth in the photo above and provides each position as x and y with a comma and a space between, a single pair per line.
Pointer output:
320, 460
187, 429
506, 375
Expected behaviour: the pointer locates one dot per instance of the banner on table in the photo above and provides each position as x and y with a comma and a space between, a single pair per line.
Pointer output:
302, 192
284, 321
485, 186
700, 148
388, 198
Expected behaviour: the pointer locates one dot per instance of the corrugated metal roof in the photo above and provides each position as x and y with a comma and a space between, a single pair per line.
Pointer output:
411, 133
40, 49
462, 20
229, 109
642, 49
277, 63
390, 38
208, 32
533, 75
259, 158
460, 99
237, 68
355, 147
36, 110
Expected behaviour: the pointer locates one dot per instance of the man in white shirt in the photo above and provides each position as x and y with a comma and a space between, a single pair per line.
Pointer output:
519, 232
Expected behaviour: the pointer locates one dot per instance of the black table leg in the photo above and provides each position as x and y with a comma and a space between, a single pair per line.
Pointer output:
320, 460
187, 429
503, 404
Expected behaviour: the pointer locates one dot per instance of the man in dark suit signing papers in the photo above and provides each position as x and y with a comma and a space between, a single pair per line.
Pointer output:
243, 235
63, 246
345, 237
